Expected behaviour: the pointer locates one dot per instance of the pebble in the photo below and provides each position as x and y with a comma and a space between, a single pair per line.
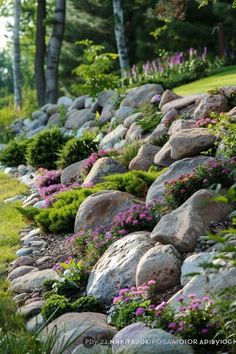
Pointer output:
34, 323
21, 261
24, 252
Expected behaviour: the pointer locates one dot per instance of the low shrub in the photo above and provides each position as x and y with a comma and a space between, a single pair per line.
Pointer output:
128, 152
210, 174
87, 304
76, 149
44, 147
14, 153
55, 306
151, 117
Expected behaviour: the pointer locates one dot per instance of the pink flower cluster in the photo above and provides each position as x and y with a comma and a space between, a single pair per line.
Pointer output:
88, 164
47, 178
205, 122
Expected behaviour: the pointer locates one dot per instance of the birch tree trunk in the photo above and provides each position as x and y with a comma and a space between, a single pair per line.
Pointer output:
16, 55
120, 36
40, 52
54, 50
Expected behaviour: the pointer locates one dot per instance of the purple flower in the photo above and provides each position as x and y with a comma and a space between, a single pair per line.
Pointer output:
140, 311
151, 282
123, 291
172, 325
204, 331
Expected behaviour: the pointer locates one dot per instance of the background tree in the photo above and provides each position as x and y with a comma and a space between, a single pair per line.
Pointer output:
120, 35
17, 55
40, 51
54, 49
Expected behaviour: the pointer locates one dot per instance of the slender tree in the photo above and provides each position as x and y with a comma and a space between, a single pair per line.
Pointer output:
54, 50
40, 51
120, 36
16, 55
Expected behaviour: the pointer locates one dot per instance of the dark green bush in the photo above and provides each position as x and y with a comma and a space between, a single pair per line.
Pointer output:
44, 147
14, 153
87, 304
75, 150
151, 117
29, 213
129, 152
55, 306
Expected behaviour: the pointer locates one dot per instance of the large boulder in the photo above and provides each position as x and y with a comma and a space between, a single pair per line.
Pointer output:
134, 133
183, 226
78, 328
145, 157
190, 142
169, 117
192, 264
18, 272
161, 263
116, 269
137, 96
76, 119
65, 101
31, 309
114, 136
180, 103
168, 96
103, 167
79, 103
163, 157
140, 339
178, 168
210, 103
181, 124
100, 208
158, 133
72, 172
32, 281
132, 119
206, 284
124, 112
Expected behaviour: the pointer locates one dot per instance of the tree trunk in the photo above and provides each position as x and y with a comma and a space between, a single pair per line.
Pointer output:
40, 52
16, 55
120, 36
54, 49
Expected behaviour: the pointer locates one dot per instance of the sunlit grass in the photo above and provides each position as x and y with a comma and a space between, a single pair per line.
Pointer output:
226, 77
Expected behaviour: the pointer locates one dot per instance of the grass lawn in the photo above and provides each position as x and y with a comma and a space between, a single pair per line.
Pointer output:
226, 77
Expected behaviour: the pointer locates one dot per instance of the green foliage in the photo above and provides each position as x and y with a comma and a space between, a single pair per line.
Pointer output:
76, 149
225, 129
129, 152
44, 147
87, 304
96, 71
151, 117
55, 306
29, 213
208, 175
14, 153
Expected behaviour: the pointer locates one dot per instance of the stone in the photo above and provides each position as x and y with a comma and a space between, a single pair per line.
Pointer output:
22, 261
32, 309
79, 103
103, 167
183, 226
178, 168
39, 204
192, 265
37, 114
35, 323
14, 199
168, 96
22, 169
20, 299
145, 157
161, 263
124, 112
157, 134
33, 132
107, 114
24, 251
54, 120
181, 124
108, 97
190, 142
232, 112
32, 281
137, 96
206, 284
72, 172
135, 132
18, 272
210, 103
107, 204
78, 326
116, 269
51, 109
77, 118
132, 119
65, 101
169, 117
120, 144
180, 103
163, 157
114, 136
38, 244
140, 339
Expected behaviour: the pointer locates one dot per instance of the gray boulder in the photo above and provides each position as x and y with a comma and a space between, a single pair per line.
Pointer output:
137, 96
77, 118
